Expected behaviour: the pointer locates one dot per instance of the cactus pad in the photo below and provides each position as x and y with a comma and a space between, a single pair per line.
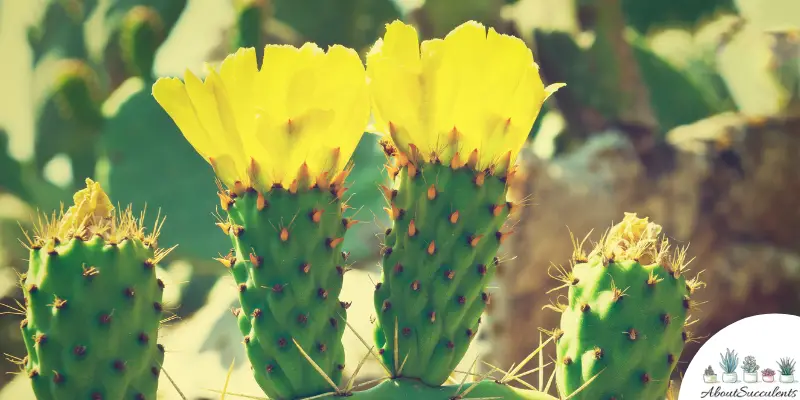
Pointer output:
141, 33
288, 267
624, 325
93, 304
439, 257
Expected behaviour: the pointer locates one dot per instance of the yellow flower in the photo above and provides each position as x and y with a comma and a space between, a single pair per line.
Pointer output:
92, 207
302, 114
468, 93
633, 229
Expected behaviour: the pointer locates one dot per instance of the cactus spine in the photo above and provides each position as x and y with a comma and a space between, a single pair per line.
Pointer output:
625, 324
93, 304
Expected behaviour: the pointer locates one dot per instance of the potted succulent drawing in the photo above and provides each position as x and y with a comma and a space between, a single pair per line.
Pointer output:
709, 376
750, 368
786, 366
729, 362
768, 375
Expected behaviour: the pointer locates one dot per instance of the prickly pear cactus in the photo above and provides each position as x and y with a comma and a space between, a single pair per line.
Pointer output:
624, 327
288, 266
448, 200
93, 304
280, 139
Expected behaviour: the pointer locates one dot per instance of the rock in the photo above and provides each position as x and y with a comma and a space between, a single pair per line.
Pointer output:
726, 185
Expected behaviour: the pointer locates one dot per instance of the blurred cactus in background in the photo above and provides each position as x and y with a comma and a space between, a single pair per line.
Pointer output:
669, 110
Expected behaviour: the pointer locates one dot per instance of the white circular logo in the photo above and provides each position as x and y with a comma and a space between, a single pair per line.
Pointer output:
755, 358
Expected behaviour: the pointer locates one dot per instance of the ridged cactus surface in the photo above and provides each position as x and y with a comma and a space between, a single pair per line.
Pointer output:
288, 266
624, 325
440, 255
93, 305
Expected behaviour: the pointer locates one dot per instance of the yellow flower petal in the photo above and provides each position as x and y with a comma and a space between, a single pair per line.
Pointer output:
92, 207
350, 89
171, 94
396, 93
523, 109
471, 90
303, 107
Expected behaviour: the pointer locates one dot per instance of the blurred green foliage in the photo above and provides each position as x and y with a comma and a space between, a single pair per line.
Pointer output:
353, 23
94, 105
646, 16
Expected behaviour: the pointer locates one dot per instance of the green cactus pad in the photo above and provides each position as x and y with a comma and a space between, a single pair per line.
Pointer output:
438, 259
249, 31
93, 305
401, 389
288, 267
141, 33
624, 325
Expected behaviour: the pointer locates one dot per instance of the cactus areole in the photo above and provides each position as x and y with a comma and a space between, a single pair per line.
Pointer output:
279, 140
93, 304
455, 113
624, 327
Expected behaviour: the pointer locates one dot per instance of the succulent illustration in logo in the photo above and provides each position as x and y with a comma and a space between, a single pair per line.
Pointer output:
729, 362
709, 376
768, 375
786, 367
750, 368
